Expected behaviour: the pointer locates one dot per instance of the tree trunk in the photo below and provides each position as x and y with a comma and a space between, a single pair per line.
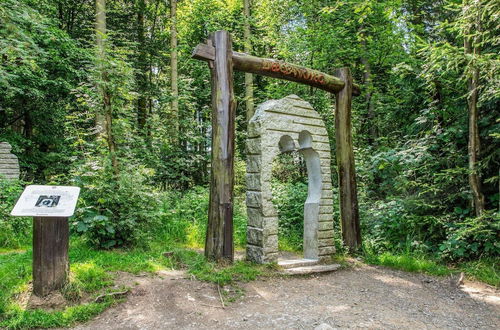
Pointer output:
349, 213
173, 70
471, 47
100, 35
219, 237
142, 70
248, 49
106, 97
367, 79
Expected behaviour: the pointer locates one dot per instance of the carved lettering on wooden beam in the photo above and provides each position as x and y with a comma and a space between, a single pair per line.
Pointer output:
276, 69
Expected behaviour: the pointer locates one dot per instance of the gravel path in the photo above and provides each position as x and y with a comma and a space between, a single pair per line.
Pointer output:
359, 297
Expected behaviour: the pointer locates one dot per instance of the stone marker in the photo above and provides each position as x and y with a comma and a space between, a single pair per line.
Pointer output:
9, 164
280, 126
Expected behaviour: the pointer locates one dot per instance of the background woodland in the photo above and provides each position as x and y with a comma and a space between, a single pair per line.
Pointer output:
113, 103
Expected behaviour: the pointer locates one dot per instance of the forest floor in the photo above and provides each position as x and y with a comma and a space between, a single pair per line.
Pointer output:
358, 296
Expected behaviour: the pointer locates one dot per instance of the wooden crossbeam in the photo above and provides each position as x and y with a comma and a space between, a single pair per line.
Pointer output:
276, 69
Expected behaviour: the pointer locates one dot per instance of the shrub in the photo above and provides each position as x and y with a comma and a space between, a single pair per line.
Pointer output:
392, 226
289, 198
116, 210
14, 232
186, 216
472, 238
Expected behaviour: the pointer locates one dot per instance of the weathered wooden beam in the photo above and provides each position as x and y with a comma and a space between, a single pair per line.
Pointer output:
349, 212
276, 69
219, 237
50, 254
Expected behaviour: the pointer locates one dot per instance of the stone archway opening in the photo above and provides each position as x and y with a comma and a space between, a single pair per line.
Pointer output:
296, 192
289, 193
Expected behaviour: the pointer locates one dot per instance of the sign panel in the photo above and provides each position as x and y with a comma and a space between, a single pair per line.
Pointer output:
47, 201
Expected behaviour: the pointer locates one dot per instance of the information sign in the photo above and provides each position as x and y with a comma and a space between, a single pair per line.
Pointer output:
47, 201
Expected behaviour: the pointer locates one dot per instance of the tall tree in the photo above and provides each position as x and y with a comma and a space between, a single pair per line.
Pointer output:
142, 68
472, 50
174, 70
247, 36
103, 84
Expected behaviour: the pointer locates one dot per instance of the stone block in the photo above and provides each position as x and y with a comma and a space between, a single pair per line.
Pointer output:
254, 146
254, 163
254, 217
325, 225
326, 250
325, 242
254, 128
326, 217
270, 225
326, 202
255, 236
326, 209
254, 199
326, 194
255, 254
271, 244
253, 181
322, 234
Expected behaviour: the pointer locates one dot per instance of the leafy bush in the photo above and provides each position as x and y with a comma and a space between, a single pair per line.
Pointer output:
472, 238
289, 198
389, 226
116, 210
186, 216
14, 232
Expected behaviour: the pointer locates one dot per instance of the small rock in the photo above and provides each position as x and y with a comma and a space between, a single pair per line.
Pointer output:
323, 326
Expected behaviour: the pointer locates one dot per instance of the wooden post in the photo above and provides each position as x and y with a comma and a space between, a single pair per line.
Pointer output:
349, 212
219, 237
50, 254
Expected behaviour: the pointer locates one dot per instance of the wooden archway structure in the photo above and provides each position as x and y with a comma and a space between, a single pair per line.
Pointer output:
217, 51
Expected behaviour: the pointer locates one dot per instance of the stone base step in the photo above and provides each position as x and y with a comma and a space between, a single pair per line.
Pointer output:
292, 263
311, 269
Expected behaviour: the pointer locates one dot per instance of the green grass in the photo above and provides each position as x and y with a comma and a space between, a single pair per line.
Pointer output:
92, 274
203, 270
484, 270
408, 263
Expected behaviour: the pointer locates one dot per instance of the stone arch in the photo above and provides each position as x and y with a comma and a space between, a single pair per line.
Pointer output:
279, 126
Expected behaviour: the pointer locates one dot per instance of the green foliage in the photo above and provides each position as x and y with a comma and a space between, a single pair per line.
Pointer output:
289, 195
185, 217
14, 232
407, 262
289, 201
211, 272
472, 238
391, 227
116, 210
486, 270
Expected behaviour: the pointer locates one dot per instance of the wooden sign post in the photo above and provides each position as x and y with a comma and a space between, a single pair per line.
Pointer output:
50, 206
219, 237
50, 254
217, 51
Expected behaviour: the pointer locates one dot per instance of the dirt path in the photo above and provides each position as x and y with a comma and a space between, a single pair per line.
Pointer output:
361, 297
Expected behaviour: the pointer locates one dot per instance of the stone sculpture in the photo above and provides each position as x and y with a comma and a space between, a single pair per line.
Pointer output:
9, 164
280, 126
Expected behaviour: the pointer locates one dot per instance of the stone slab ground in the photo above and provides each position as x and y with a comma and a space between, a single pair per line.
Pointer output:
358, 297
